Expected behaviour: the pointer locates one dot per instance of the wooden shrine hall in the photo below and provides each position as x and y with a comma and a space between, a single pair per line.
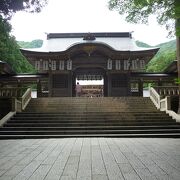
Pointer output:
114, 58
89, 56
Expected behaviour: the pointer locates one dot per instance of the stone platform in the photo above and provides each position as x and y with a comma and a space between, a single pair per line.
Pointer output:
90, 159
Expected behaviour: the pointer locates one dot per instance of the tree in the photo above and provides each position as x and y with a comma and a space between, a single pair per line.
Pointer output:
167, 13
9, 50
138, 11
8, 7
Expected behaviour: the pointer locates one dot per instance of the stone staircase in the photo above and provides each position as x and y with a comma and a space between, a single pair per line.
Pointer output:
90, 117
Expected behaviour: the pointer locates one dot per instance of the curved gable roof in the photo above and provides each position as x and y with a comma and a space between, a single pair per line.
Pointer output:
58, 42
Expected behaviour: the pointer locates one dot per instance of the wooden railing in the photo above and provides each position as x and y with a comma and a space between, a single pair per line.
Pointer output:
164, 104
167, 90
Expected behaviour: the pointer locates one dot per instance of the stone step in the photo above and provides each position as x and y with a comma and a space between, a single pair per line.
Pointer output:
76, 124
94, 115
88, 113
83, 128
109, 110
158, 135
90, 102
78, 117
104, 131
88, 119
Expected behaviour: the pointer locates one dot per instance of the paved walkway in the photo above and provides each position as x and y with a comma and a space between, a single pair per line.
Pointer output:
90, 158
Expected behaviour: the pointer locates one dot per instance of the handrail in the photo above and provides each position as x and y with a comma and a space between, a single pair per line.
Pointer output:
155, 97
163, 104
26, 98
6, 118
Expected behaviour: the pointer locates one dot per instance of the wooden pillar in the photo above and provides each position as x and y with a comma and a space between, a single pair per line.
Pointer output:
50, 85
109, 85
70, 81
178, 63
140, 87
129, 84
105, 88
39, 91
1, 67
19, 91
73, 84
160, 82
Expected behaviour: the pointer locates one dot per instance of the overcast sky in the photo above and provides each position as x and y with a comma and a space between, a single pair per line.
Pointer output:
81, 16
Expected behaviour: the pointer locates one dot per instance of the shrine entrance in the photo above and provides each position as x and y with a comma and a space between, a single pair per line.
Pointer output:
92, 80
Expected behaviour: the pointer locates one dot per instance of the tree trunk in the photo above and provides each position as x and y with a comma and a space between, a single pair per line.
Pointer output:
177, 26
178, 65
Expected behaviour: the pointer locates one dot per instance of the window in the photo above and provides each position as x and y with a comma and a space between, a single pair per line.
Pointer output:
69, 65
118, 65
61, 65
45, 65
53, 65
142, 64
134, 65
37, 65
126, 65
109, 64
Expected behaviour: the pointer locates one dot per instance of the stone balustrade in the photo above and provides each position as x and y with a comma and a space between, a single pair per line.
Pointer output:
167, 90
160, 96
9, 92
20, 97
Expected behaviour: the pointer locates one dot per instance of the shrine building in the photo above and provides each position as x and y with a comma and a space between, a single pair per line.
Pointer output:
69, 57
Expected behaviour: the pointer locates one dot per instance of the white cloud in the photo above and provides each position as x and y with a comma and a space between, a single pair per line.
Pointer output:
81, 16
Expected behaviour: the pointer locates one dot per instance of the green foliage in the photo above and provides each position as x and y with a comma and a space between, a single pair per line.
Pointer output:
161, 61
171, 45
9, 50
8, 7
33, 44
141, 44
138, 11
177, 80
165, 56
